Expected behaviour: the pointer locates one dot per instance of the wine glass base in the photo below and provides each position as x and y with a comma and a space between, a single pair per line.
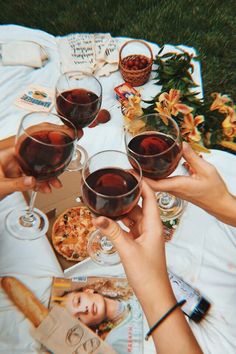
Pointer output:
28, 231
171, 210
101, 250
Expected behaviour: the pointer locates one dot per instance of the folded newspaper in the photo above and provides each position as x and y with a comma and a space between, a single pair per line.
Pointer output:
96, 54
107, 305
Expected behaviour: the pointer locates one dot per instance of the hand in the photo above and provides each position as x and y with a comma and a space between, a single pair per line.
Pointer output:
204, 186
80, 133
142, 249
143, 256
12, 178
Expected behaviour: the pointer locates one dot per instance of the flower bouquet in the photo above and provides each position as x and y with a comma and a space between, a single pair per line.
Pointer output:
204, 123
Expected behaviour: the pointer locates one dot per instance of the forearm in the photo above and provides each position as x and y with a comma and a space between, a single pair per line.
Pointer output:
173, 335
225, 210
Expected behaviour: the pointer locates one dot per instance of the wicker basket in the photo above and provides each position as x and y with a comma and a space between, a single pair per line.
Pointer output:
135, 77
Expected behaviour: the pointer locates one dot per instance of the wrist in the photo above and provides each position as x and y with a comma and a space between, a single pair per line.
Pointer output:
156, 299
226, 209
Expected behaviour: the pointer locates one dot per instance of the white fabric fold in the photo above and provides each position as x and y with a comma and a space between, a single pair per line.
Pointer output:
23, 53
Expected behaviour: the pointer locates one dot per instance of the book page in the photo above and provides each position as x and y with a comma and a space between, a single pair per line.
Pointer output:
77, 52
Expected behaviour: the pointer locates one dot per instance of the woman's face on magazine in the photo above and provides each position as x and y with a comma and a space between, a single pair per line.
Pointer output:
87, 306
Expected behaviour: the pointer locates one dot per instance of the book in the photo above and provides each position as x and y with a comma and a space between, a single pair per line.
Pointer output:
88, 53
107, 305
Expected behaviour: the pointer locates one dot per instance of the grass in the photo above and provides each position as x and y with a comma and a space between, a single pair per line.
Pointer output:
207, 25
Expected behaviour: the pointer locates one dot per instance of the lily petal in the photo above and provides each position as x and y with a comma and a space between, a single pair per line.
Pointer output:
198, 120
183, 108
195, 135
174, 96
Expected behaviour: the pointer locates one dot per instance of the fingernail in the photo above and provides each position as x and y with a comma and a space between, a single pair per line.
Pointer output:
58, 184
47, 189
27, 180
104, 223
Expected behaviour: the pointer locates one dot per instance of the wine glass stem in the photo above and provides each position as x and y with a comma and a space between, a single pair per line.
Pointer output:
75, 154
166, 200
28, 219
106, 244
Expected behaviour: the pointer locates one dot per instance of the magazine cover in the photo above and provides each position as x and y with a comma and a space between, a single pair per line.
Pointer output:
107, 305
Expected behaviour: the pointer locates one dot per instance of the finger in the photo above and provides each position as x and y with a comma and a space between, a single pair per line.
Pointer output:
1, 172
113, 232
18, 184
188, 168
56, 183
135, 214
44, 188
80, 133
151, 217
128, 222
171, 184
195, 162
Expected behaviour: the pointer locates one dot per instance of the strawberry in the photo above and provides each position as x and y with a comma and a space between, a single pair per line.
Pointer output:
103, 116
93, 124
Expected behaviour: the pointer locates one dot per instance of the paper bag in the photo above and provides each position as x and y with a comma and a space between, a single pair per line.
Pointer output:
63, 334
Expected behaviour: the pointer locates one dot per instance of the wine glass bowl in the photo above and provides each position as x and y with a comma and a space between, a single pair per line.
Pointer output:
78, 98
44, 147
109, 188
156, 143
44, 151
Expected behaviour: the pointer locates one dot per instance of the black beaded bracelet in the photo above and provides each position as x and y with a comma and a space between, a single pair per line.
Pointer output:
178, 304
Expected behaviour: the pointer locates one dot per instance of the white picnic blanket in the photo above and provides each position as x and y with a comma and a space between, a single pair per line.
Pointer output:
202, 250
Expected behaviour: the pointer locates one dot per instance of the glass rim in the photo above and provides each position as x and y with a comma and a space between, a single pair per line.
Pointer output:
154, 131
41, 142
139, 178
73, 103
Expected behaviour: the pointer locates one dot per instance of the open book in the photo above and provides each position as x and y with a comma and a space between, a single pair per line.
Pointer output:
107, 305
89, 53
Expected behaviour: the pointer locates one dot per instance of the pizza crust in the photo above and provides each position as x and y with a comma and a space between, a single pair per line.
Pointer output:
70, 233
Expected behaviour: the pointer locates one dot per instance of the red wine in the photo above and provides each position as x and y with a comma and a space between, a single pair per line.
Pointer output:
48, 160
113, 192
157, 154
79, 106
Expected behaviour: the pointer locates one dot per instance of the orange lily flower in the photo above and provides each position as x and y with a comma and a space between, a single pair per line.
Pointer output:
219, 102
171, 101
163, 111
132, 108
189, 127
229, 123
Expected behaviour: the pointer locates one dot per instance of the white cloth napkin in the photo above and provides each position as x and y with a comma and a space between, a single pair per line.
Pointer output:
23, 53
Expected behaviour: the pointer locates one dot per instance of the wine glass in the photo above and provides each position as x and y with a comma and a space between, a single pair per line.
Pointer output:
155, 142
78, 98
44, 147
110, 189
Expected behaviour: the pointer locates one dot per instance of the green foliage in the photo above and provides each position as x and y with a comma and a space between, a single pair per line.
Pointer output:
174, 71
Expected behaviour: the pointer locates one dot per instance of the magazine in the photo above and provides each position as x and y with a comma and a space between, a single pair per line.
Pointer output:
105, 304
